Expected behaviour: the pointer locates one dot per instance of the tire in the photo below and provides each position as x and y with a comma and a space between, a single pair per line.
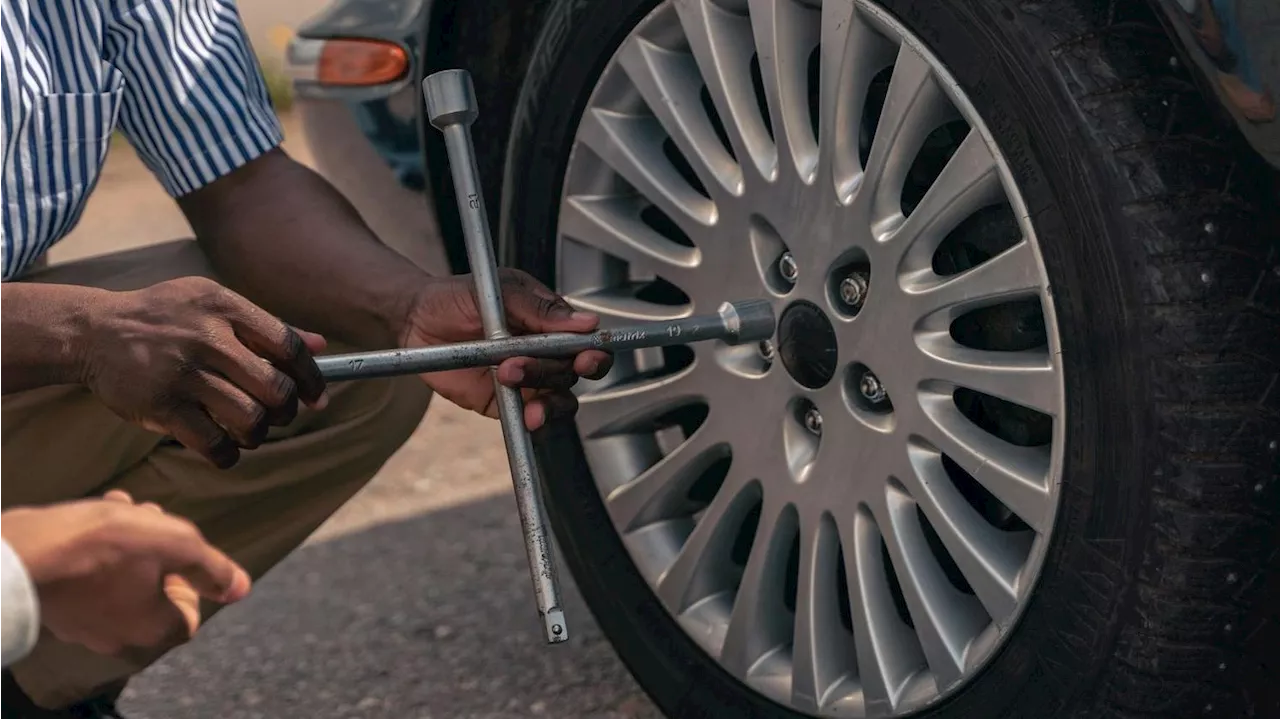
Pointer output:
1157, 229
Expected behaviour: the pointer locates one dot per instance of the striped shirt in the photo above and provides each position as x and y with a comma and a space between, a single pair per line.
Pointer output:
177, 78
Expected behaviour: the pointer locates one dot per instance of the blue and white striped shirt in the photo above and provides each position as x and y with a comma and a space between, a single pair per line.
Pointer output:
178, 78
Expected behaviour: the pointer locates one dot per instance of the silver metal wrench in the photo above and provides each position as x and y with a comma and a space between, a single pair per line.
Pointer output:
735, 323
451, 107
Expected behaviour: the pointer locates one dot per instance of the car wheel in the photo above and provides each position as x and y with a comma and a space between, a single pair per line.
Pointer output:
1011, 452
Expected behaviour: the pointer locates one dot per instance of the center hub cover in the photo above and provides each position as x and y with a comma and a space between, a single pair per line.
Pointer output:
807, 344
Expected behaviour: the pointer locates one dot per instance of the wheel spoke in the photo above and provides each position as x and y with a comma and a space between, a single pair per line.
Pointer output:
988, 558
1025, 378
914, 107
662, 488
1017, 476
612, 225
785, 34
760, 621
722, 45
628, 406
701, 568
632, 146
852, 54
968, 182
618, 306
1012, 274
670, 84
820, 652
888, 652
944, 619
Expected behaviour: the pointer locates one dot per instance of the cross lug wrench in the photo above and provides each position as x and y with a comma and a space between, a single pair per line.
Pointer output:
451, 107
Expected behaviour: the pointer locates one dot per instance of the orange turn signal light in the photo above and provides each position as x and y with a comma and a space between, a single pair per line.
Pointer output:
355, 62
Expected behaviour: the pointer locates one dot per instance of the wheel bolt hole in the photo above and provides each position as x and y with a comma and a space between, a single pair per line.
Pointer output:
767, 351
849, 284
777, 266
867, 396
801, 436
872, 390
788, 270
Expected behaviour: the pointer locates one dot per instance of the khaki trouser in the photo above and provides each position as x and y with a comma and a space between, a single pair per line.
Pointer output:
59, 443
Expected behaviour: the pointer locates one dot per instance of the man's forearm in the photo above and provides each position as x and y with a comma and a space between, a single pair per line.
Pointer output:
283, 237
46, 325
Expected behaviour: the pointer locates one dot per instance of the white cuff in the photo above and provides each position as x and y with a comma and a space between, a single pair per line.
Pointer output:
19, 606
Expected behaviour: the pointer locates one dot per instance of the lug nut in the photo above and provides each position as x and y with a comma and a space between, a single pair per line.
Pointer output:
766, 350
871, 388
787, 268
813, 420
853, 290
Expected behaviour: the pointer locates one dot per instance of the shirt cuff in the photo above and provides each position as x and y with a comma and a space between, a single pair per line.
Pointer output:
19, 605
255, 133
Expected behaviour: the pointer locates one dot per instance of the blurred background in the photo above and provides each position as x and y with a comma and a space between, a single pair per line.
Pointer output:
414, 601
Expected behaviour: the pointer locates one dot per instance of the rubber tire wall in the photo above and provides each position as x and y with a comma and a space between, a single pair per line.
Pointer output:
492, 40
1160, 238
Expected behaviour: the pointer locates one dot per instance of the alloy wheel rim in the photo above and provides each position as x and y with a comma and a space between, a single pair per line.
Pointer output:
850, 518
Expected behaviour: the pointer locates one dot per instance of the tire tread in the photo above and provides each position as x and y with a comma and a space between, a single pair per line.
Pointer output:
1211, 301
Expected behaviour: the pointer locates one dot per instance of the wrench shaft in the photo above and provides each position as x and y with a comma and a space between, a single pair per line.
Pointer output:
735, 323
451, 104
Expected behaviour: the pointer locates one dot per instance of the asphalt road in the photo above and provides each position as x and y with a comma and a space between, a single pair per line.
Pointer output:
413, 602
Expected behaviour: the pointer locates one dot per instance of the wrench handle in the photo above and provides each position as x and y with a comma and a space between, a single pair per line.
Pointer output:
453, 89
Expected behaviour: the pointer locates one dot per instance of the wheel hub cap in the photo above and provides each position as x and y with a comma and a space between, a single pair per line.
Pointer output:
808, 344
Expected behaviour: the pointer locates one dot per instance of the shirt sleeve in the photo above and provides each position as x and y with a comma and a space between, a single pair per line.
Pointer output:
195, 105
20, 623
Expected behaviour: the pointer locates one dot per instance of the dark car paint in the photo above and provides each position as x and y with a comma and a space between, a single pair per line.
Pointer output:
496, 49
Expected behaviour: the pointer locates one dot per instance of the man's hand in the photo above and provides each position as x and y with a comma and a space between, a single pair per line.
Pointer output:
115, 576
446, 312
192, 359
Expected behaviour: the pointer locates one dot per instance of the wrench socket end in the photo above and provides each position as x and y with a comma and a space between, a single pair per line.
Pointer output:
751, 320
450, 97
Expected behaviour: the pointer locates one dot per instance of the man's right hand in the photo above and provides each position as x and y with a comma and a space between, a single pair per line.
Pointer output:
116, 576
196, 361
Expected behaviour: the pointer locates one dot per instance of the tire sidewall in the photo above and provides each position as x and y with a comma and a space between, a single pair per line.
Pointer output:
1000, 60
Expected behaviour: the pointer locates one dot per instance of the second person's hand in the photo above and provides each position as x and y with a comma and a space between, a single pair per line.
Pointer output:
445, 311
116, 576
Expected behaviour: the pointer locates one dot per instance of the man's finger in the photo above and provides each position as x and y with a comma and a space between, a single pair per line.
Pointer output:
593, 364
186, 600
527, 372
243, 417
274, 389
532, 309
118, 495
315, 342
212, 574
547, 407
196, 431
278, 343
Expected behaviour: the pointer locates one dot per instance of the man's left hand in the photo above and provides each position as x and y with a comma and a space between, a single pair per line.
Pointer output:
445, 312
